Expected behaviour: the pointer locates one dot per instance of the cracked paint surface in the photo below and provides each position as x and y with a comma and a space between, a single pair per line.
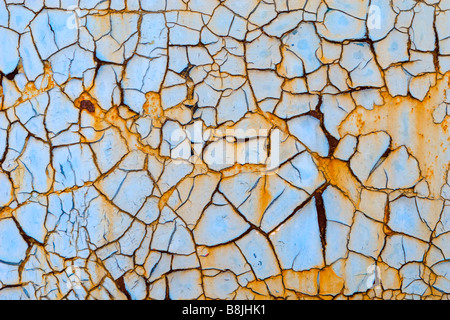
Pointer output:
232, 149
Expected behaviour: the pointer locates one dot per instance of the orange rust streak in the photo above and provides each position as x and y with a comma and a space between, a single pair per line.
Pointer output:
152, 107
410, 122
338, 173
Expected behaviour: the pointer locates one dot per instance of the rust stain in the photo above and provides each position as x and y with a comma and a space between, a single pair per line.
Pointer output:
338, 173
279, 123
240, 168
87, 105
30, 91
410, 122
165, 197
330, 282
152, 107
86, 102
264, 197
259, 287
93, 113
302, 281
6, 212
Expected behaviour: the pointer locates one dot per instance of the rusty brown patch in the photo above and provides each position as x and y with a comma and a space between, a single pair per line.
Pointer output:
86, 102
321, 216
87, 105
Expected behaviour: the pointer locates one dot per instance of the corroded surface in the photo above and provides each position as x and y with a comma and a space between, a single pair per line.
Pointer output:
233, 149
